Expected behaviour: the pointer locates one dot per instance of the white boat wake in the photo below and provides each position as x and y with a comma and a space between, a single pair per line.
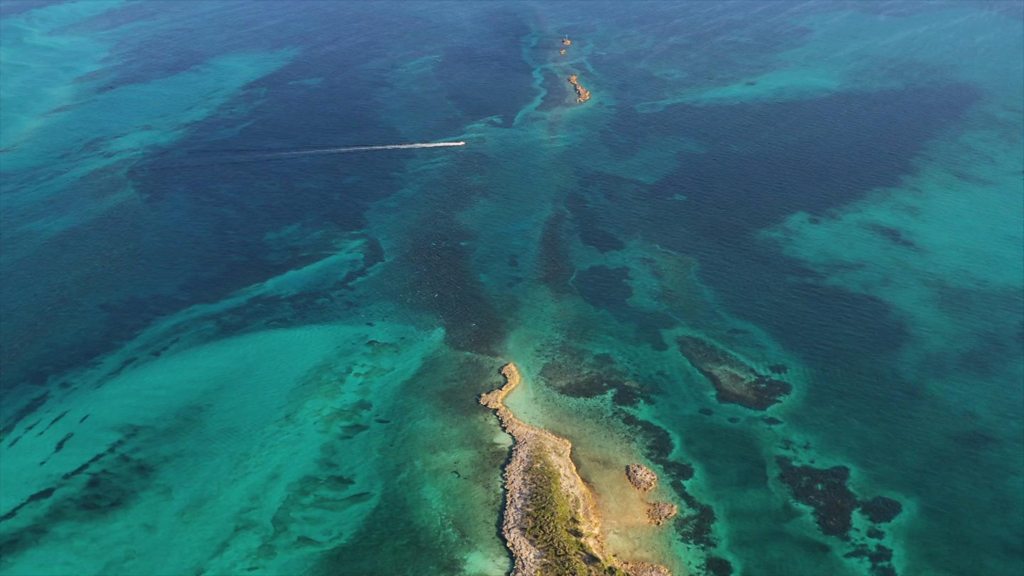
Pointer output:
345, 149
215, 158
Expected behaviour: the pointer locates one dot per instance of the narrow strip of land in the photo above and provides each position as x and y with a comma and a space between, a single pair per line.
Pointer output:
550, 520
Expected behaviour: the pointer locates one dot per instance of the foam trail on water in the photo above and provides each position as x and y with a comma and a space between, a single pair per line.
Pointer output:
215, 158
344, 149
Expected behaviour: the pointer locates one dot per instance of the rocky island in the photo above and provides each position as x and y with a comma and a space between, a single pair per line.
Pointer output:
550, 521
582, 94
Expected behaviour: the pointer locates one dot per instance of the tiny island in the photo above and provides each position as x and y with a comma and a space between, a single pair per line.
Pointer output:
550, 523
582, 94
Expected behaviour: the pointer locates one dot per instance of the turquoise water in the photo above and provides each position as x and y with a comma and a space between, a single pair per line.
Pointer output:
221, 361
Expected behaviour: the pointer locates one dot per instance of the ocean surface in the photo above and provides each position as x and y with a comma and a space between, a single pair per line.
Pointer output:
223, 355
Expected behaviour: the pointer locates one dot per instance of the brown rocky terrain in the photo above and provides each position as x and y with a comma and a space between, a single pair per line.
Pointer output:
660, 512
641, 477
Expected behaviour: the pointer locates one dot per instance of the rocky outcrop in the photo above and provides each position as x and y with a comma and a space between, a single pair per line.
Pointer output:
644, 479
582, 94
660, 512
495, 399
645, 569
641, 477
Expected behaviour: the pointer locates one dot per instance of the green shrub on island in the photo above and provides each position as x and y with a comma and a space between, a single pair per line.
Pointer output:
555, 530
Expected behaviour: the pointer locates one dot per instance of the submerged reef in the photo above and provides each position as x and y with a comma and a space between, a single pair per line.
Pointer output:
880, 558
734, 380
571, 372
825, 490
550, 521
880, 509
556, 267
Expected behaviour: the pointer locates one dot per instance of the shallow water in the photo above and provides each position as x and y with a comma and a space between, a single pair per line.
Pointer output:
272, 359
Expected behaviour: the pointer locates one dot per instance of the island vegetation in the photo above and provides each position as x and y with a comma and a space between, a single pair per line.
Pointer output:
554, 528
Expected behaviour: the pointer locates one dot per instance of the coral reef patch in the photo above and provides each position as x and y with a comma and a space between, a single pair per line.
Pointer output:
880, 509
734, 381
825, 491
